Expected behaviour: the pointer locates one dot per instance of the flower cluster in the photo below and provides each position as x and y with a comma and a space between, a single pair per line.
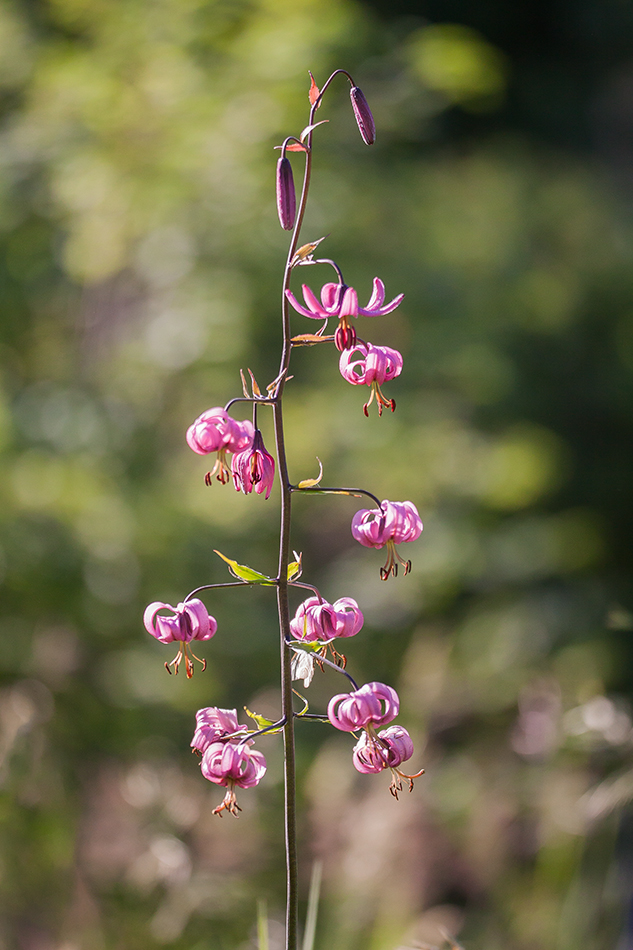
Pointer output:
227, 756
367, 708
216, 431
225, 747
190, 621
252, 466
393, 523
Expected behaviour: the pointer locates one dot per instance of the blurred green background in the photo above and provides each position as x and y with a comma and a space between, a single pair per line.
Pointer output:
141, 262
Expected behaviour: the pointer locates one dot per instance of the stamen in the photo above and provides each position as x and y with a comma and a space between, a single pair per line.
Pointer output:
391, 566
229, 803
339, 658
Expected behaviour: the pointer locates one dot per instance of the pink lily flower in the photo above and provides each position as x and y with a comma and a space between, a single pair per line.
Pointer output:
191, 621
216, 431
253, 467
378, 364
232, 764
373, 703
338, 300
393, 523
214, 724
387, 750
316, 620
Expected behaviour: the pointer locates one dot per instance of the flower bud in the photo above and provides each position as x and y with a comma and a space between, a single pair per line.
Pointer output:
364, 118
286, 200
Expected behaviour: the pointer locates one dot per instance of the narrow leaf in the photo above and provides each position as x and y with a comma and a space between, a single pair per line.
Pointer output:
309, 129
262, 721
309, 339
256, 390
262, 926
313, 906
305, 251
275, 383
295, 568
243, 572
338, 491
294, 147
312, 482
313, 93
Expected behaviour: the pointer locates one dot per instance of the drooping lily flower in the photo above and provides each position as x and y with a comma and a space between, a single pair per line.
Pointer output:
216, 431
190, 621
338, 300
213, 725
316, 620
373, 703
253, 467
386, 750
378, 364
393, 523
232, 764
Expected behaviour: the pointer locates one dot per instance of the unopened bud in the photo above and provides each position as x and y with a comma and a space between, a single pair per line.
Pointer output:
286, 200
364, 118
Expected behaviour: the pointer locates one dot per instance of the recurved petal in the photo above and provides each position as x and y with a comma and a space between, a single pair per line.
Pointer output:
204, 626
381, 311
349, 305
378, 295
164, 631
330, 296
318, 315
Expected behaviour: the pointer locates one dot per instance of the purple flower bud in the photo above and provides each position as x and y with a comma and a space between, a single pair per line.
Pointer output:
364, 118
286, 200
373, 703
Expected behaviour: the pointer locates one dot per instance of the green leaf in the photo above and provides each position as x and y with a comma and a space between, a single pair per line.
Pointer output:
312, 482
262, 722
294, 568
243, 572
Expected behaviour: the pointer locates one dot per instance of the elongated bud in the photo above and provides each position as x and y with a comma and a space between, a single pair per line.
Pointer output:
364, 118
286, 200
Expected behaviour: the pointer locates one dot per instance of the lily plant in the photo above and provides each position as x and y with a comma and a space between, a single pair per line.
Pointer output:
225, 747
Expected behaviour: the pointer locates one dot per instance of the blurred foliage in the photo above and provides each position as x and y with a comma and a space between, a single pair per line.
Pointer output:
141, 260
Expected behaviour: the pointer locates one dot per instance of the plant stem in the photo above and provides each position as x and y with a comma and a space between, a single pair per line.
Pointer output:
290, 793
